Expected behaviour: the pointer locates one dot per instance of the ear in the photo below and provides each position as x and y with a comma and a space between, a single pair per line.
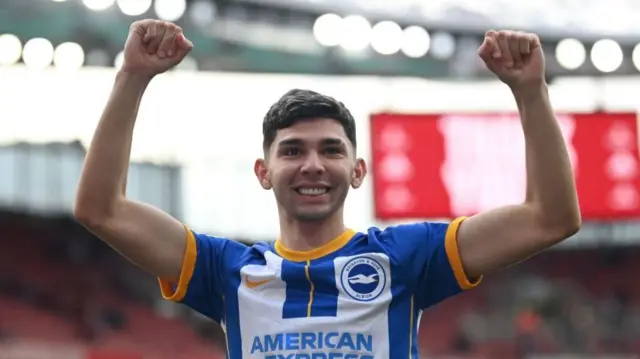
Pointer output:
359, 173
262, 173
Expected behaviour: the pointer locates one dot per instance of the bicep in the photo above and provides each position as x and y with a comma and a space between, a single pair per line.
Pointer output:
501, 237
146, 236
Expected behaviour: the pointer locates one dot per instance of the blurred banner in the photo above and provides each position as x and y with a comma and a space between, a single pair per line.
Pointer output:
447, 165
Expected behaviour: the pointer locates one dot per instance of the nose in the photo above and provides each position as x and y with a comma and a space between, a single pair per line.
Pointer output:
312, 165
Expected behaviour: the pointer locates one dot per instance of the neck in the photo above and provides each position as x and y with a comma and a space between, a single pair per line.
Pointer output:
307, 235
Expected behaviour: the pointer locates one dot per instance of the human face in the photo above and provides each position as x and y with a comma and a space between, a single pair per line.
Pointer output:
310, 167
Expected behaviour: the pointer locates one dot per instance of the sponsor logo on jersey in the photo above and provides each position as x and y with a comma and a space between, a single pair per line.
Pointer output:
314, 345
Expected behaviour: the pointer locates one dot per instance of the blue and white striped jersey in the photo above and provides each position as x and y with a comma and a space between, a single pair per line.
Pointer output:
360, 296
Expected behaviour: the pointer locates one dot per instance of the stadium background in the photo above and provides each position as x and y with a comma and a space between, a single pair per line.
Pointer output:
439, 133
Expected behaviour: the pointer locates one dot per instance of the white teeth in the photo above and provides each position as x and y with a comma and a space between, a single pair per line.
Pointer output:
312, 191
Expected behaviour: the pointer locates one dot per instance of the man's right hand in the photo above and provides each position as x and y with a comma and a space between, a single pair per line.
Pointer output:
153, 47
145, 235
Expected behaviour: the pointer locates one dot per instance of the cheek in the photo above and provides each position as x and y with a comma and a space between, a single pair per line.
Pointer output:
280, 177
343, 172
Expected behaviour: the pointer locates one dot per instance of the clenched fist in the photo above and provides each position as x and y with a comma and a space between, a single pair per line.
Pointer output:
154, 47
515, 57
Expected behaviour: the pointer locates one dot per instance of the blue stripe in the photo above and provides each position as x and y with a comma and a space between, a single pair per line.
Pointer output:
325, 294
400, 328
297, 292
232, 310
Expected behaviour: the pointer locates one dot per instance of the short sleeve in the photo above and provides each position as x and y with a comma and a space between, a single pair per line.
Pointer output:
207, 260
429, 253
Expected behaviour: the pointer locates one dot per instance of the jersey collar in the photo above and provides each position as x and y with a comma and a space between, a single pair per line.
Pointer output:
324, 250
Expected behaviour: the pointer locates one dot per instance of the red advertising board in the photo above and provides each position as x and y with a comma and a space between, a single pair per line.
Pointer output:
447, 165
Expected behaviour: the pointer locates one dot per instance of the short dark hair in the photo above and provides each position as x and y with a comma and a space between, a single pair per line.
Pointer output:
298, 105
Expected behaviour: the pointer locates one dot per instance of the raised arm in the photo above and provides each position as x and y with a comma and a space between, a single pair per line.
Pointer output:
550, 213
145, 235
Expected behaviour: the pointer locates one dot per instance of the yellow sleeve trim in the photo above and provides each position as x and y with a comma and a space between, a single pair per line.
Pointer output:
453, 253
188, 266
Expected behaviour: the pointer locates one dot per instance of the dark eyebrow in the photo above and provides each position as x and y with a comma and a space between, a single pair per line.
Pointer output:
332, 142
292, 142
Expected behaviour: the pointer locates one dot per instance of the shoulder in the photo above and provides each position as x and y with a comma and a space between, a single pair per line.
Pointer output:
251, 254
216, 243
409, 233
220, 252
408, 240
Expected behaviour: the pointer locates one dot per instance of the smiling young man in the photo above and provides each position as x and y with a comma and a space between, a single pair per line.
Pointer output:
323, 290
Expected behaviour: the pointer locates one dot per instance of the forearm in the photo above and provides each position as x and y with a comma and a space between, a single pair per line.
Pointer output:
104, 175
550, 182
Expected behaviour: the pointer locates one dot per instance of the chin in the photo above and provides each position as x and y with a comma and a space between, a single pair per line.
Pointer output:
312, 216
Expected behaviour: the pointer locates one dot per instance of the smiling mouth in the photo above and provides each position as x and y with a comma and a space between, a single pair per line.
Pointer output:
312, 192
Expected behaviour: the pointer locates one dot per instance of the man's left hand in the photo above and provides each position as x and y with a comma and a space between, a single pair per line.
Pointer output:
515, 57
